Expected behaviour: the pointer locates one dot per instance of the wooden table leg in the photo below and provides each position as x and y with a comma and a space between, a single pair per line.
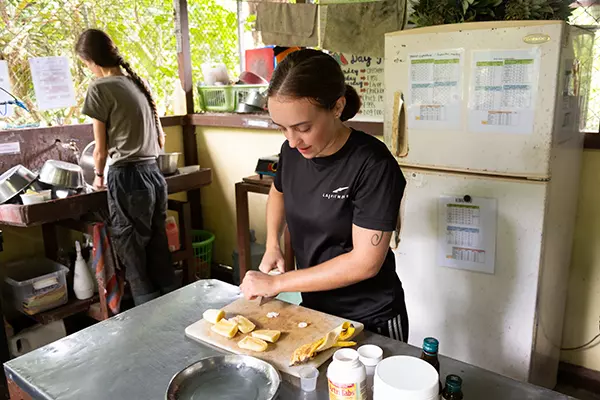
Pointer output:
243, 228
185, 223
50, 237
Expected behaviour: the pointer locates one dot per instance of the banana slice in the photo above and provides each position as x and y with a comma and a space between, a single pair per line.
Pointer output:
267, 335
213, 316
253, 344
227, 328
244, 324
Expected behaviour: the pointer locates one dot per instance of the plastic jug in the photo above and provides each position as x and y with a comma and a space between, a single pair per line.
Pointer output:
83, 283
173, 234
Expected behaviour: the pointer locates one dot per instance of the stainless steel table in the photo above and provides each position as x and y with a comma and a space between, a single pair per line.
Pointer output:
135, 354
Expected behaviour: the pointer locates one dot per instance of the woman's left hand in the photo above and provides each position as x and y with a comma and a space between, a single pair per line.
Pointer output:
257, 284
99, 183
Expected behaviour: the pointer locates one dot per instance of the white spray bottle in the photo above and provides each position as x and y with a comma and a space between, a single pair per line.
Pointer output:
83, 284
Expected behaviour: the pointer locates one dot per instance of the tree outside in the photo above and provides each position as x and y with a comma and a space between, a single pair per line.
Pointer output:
142, 29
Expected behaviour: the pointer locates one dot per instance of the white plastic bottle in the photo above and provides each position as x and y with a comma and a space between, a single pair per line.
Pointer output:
83, 284
346, 376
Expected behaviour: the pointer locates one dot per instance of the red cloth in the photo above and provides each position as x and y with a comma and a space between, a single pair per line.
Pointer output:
110, 278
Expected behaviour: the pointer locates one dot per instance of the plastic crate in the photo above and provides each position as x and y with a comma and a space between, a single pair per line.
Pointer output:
241, 91
217, 98
202, 244
37, 285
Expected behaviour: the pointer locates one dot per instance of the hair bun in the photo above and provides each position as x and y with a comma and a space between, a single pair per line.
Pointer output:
353, 103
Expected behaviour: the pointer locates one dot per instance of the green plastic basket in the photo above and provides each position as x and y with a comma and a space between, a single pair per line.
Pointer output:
202, 243
217, 98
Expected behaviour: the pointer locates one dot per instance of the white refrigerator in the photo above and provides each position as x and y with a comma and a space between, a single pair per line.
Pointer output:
484, 119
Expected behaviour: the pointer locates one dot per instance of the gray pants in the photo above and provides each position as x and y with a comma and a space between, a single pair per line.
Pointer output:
137, 202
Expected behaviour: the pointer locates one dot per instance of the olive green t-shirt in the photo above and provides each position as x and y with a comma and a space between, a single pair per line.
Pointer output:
121, 105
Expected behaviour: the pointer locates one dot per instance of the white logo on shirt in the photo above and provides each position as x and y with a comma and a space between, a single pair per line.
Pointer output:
340, 189
337, 193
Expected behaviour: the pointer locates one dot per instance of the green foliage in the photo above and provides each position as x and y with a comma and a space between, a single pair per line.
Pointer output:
142, 29
438, 12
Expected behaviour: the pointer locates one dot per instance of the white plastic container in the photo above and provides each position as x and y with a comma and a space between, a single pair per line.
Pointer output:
36, 337
83, 284
36, 285
346, 376
35, 198
370, 355
308, 379
406, 378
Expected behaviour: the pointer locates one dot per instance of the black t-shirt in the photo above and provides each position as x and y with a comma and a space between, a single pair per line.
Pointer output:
361, 184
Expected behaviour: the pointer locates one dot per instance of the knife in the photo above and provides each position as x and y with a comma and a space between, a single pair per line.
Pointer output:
263, 300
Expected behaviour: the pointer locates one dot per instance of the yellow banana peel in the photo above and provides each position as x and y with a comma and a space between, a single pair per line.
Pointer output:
337, 337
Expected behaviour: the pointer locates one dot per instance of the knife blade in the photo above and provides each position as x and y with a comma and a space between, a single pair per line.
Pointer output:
262, 299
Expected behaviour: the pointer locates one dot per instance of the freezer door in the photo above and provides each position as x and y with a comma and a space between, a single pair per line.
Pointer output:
453, 137
483, 319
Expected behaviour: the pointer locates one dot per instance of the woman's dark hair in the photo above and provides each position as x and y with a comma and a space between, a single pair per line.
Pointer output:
316, 76
96, 46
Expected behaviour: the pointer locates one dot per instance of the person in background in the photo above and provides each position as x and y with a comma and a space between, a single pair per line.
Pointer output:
127, 128
339, 191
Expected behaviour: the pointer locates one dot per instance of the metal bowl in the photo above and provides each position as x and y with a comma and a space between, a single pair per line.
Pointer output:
231, 377
167, 162
62, 174
256, 99
14, 181
87, 164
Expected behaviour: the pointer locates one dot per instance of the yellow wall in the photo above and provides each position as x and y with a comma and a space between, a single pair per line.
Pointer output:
583, 300
233, 154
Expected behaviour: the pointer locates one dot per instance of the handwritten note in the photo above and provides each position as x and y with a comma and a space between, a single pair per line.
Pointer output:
52, 82
365, 74
6, 110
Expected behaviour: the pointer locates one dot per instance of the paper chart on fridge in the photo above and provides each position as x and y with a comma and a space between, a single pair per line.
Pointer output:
435, 95
467, 233
502, 91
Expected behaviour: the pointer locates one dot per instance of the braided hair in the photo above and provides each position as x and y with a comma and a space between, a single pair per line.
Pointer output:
96, 46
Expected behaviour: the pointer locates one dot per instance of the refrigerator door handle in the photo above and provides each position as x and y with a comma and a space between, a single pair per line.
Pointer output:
399, 141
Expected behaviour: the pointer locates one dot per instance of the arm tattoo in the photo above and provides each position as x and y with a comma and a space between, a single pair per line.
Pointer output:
376, 239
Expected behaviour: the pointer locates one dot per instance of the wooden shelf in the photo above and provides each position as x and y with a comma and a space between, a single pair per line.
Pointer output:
73, 306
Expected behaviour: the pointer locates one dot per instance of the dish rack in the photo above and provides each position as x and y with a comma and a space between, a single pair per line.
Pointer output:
225, 98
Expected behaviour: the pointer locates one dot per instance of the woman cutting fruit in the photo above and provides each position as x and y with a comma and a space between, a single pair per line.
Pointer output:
339, 190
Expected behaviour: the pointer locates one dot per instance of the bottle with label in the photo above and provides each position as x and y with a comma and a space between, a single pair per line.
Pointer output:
453, 389
430, 354
346, 376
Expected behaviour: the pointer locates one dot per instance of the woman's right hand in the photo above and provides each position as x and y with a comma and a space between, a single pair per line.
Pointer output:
273, 259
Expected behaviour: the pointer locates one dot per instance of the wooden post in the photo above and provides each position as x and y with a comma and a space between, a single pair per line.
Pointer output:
184, 62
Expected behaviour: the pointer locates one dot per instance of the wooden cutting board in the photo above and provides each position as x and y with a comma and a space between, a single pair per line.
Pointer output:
292, 337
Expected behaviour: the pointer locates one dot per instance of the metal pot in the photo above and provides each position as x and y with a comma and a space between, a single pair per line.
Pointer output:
167, 162
244, 108
14, 181
86, 162
256, 99
62, 175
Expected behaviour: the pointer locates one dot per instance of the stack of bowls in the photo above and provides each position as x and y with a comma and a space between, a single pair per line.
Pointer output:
406, 378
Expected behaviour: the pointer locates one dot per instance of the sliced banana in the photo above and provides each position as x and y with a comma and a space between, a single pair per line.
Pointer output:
227, 328
253, 344
267, 335
213, 316
244, 324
